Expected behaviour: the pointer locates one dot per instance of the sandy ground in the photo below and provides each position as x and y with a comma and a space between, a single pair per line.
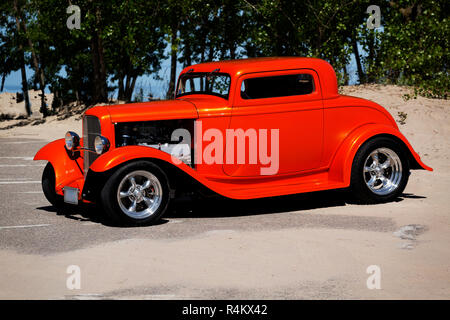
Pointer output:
319, 252
11, 109
51, 130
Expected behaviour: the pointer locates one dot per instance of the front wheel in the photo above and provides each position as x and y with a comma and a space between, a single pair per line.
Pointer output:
136, 194
48, 186
380, 171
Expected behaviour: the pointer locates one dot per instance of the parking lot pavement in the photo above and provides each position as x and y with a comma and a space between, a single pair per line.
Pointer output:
304, 246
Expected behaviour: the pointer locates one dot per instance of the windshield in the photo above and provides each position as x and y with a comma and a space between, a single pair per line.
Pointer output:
217, 84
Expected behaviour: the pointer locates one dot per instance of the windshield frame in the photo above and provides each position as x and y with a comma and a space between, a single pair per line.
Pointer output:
184, 75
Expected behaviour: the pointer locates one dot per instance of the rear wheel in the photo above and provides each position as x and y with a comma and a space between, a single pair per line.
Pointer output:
380, 171
48, 186
136, 194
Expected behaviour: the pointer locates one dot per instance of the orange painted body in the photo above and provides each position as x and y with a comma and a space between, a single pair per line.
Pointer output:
319, 133
68, 172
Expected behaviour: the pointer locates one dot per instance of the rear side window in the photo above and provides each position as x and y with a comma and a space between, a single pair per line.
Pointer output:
277, 86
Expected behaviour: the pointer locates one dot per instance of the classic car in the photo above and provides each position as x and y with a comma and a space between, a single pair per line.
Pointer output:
241, 129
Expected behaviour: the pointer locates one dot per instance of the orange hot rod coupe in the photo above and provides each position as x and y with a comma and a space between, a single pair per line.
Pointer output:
243, 129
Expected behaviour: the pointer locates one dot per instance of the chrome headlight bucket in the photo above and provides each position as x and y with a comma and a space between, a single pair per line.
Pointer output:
101, 144
72, 140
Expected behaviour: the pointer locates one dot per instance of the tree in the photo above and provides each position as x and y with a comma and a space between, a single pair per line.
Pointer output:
8, 48
134, 42
17, 13
414, 47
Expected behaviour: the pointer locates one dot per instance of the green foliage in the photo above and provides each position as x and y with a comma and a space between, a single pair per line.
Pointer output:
414, 46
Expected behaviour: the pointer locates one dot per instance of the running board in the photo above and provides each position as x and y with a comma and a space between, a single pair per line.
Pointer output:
252, 188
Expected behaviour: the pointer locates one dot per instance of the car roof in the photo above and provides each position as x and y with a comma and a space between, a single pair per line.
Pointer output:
235, 68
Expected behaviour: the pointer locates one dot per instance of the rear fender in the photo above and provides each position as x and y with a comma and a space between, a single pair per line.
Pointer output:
341, 166
68, 169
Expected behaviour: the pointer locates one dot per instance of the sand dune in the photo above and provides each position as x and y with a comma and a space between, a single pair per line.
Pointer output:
10, 109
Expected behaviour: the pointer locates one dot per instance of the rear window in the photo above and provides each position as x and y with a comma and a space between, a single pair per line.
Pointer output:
277, 86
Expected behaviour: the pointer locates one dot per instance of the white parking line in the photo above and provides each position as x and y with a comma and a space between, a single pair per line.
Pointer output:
28, 192
23, 158
18, 182
25, 226
175, 221
22, 165
21, 142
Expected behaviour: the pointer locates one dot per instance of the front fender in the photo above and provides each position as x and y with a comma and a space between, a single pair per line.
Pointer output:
341, 167
121, 155
100, 168
67, 168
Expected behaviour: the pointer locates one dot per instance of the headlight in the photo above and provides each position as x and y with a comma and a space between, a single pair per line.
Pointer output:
72, 140
101, 144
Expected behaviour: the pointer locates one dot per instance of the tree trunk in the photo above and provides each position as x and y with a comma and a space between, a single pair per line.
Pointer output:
100, 87
230, 13
101, 61
96, 70
77, 95
188, 61
3, 82
188, 54
39, 73
57, 100
131, 90
318, 40
130, 82
127, 87
232, 51
361, 76
121, 91
202, 50
22, 61
371, 58
173, 64
211, 52
25, 85
346, 77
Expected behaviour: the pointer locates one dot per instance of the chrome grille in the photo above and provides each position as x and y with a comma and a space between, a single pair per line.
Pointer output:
91, 129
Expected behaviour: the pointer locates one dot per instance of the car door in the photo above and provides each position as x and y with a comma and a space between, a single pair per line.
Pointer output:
285, 111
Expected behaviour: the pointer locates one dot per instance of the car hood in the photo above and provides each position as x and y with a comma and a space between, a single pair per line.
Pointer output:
208, 105
155, 110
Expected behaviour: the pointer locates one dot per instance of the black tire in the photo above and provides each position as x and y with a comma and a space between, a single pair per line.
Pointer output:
48, 186
109, 194
359, 185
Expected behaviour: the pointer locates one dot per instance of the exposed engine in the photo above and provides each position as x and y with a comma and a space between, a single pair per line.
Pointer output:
159, 135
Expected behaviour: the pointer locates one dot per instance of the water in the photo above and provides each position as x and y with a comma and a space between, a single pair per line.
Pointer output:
12, 88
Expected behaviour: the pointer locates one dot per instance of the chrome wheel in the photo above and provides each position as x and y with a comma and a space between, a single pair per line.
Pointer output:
139, 194
382, 171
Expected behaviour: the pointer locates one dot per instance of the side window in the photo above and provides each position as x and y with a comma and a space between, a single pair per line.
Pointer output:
277, 86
